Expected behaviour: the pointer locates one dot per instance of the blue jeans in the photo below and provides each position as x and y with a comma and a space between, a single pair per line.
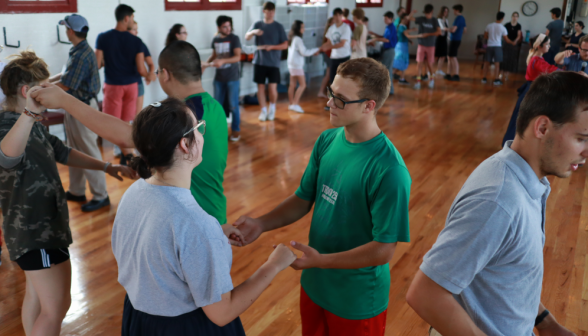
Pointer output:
221, 89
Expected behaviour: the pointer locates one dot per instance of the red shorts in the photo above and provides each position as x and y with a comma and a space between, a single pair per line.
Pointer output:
425, 52
316, 321
121, 101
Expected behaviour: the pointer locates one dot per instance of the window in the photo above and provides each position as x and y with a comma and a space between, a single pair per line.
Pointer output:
171, 5
307, 1
38, 6
369, 3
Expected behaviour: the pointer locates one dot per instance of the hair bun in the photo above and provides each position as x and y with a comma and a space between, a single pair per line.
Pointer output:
139, 164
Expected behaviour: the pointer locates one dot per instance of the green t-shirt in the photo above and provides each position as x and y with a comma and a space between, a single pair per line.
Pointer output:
361, 193
208, 176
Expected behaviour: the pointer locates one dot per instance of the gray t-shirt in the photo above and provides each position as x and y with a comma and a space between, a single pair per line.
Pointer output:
427, 26
490, 253
172, 256
555, 30
273, 34
224, 46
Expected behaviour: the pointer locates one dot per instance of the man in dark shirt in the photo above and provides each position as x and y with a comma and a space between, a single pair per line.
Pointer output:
121, 54
226, 54
554, 31
81, 80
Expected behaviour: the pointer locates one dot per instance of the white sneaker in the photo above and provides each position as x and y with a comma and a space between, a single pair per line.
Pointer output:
263, 115
297, 108
417, 86
440, 73
230, 119
431, 84
272, 113
290, 107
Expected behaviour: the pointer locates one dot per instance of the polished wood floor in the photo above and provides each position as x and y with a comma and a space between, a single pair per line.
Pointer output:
443, 134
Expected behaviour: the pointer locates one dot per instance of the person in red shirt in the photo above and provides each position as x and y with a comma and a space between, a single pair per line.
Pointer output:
346, 20
536, 66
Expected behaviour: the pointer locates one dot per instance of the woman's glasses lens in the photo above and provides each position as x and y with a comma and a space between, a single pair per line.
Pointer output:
202, 129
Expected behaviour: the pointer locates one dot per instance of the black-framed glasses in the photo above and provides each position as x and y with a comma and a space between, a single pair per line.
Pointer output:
584, 50
200, 126
340, 103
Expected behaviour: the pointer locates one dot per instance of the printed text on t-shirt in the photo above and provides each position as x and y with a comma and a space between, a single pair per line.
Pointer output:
329, 194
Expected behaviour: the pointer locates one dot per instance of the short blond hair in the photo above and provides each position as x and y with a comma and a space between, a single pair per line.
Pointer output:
358, 13
372, 76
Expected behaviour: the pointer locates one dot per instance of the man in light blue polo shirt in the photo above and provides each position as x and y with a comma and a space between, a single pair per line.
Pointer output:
574, 62
484, 274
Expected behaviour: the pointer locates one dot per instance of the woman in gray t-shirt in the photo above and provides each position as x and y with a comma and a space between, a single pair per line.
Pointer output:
174, 259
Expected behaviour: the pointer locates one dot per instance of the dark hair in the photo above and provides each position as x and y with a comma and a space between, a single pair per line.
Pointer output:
222, 19
440, 16
581, 24
171, 35
345, 12
556, 11
556, 96
25, 68
517, 13
399, 9
337, 11
122, 11
428, 9
389, 15
458, 8
404, 15
499, 16
295, 30
82, 35
365, 19
156, 133
270, 6
182, 60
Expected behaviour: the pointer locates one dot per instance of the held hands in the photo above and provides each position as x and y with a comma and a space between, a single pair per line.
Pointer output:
217, 63
151, 77
282, 257
257, 32
309, 259
125, 171
250, 228
33, 105
50, 96
235, 236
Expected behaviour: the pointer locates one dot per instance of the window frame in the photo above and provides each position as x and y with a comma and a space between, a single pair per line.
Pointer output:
202, 5
33, 7
291, 2
369, 4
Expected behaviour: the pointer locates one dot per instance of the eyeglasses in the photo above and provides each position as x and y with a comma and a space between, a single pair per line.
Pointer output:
157, 72
200, 126
584, 50
340, 103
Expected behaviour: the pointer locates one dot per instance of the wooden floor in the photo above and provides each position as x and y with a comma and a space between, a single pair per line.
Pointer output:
443, 134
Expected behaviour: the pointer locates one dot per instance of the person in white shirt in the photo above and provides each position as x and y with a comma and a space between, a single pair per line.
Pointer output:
441, 42
296, 55
338, 40
494, 33
358, 41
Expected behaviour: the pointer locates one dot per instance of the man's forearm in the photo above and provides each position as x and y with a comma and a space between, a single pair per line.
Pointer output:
288, 212
368, 255
438, 307
249, 36
78, 159
106, 126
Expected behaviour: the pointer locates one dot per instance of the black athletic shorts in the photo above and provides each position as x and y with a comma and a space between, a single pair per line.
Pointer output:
262, 72
453, 47
40, 259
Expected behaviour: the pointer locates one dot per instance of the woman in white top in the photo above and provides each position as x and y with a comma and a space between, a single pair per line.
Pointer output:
441, 43
296, 55
358, 40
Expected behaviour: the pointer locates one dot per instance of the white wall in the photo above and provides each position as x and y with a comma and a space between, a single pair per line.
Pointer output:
537, 23
477, 13
154, 23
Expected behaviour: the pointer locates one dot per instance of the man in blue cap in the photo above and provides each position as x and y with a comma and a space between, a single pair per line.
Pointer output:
81, 80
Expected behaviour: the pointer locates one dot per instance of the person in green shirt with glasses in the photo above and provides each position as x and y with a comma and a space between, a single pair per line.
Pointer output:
360, 187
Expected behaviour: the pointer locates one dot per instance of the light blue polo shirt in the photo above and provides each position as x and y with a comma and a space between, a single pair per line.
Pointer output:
490, 253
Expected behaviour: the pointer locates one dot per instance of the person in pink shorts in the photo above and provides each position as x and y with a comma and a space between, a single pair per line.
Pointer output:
121, 55
428, 31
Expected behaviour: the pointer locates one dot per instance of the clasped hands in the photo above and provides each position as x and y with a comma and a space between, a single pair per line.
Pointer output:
246, 230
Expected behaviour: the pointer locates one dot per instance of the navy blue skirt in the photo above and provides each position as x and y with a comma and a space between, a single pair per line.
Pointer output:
195, 323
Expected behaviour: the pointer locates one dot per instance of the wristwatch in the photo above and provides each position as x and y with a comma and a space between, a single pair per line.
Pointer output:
36, 116
541, 317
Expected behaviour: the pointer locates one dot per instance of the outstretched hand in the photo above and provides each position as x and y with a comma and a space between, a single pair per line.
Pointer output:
310, 258
50, 95
125, 171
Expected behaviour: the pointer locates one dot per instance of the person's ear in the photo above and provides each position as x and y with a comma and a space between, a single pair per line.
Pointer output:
23, 90
541, 126
184, 147
370, 106
164, 75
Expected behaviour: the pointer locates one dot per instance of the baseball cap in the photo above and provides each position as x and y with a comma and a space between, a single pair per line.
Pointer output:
76, 23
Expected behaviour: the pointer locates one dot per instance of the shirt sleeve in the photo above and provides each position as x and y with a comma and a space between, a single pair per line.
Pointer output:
99, 43
418, 20
299, 44
504, 31
206, 270
75, 73
543, 67
357, 33
329, 33
60, 150
236, 42
283, 36
307, 188
389, 206
10, 163
346, 33
145, 49
476, 232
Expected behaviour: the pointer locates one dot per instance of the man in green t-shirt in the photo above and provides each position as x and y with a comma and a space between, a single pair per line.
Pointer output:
180, 77
360, 189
